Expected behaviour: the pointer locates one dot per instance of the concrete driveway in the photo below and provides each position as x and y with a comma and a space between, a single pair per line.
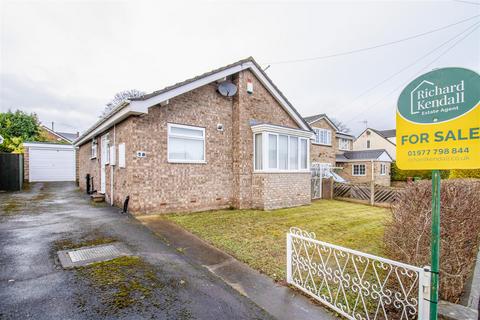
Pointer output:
36, 222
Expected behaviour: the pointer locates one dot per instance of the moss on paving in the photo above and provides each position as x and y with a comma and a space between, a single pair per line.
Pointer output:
258, 237
126, 280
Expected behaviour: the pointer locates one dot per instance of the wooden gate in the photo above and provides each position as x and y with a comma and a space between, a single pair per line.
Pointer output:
11, 171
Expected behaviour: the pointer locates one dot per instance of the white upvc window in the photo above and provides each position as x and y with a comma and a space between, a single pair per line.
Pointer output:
358, 170
106, 148
280, 152
344, 144
323, 136
94, 146
186, 144
383, 169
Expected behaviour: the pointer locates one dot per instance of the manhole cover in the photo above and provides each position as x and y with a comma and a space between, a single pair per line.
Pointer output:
86, 255
93, 253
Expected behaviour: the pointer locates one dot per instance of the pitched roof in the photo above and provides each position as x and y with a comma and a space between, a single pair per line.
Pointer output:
370, 154
344, 135
312, 119
69, 136
140, 104
387, 133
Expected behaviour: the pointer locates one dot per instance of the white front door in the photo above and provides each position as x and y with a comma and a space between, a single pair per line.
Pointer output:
103, 161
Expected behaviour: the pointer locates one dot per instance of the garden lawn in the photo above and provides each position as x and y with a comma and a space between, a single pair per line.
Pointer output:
258, 238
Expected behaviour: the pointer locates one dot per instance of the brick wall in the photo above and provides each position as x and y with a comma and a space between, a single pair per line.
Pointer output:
280, 190
262, 108
323, 153
156, 186
384, 180
26, 164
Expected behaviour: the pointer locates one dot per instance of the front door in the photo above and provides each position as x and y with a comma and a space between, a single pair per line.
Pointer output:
103, 161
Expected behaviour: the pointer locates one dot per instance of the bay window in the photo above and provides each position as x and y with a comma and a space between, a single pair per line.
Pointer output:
186, 144
280, 152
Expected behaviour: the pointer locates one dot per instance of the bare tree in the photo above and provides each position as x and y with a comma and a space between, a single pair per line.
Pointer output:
342, 127
119, 97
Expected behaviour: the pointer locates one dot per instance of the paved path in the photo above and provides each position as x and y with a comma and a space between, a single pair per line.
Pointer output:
278, 300
33, 286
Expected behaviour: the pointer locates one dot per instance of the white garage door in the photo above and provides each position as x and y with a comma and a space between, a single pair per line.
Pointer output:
51, 164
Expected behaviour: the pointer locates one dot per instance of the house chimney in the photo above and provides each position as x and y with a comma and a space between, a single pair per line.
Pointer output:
53, 126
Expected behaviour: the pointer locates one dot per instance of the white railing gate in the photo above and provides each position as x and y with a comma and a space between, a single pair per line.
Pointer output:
357, 285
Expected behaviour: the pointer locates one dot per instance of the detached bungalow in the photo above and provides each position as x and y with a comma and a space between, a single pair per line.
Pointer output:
227, 138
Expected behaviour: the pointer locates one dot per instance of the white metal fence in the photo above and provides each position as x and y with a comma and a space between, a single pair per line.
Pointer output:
355, 284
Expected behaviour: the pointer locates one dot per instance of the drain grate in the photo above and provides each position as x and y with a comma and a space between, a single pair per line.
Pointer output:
93, 253
83, 256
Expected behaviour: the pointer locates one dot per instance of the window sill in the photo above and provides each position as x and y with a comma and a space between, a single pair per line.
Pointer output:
187, 162
321, 144
282, 171
93, 158
359, 175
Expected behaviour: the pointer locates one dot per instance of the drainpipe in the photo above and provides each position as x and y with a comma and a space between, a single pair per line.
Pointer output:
111, 168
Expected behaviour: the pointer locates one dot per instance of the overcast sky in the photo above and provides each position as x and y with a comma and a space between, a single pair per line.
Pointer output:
65, 59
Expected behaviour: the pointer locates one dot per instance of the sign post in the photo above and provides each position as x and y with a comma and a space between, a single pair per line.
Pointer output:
438, 127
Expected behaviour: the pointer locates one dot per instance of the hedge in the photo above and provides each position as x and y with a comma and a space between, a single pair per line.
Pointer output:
407, 234
465, 173
402, 175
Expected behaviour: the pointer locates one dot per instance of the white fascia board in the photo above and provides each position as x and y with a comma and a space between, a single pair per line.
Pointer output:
143, 105
116, 118
384, 157
282, 130
40, 145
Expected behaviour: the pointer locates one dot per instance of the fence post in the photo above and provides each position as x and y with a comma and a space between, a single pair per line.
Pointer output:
424, 294
372, 192
289, 258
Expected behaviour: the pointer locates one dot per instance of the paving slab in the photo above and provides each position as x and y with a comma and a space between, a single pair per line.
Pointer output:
278, 300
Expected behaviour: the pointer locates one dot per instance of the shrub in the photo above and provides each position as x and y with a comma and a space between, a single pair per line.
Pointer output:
407, 235
465, 173
402, 175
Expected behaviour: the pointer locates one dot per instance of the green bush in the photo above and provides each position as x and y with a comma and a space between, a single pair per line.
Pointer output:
464, 173
402, 175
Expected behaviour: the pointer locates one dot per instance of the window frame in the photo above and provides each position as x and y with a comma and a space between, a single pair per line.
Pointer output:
383, 169
265, 165
93, 146
328, 135
340, 144
359, 174
175, 135
368, 144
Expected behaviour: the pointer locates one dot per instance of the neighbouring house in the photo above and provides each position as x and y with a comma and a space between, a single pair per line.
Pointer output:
363, 166
328, 140
334, 151
57, 137
377, 139
227, 138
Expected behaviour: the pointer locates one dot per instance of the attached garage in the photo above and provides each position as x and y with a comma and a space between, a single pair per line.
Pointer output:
49, 162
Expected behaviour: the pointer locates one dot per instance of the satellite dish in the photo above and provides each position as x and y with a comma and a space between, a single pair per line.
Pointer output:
227, 89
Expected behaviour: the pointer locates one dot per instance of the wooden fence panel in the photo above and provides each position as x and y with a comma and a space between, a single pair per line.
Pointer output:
11, 171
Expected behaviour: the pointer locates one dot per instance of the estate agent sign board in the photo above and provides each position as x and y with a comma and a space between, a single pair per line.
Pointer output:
438, 127
438, 121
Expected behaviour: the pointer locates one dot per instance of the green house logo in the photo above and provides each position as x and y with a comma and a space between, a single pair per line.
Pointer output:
440, 95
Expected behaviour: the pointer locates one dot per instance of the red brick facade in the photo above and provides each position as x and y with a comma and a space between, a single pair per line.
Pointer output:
226, 179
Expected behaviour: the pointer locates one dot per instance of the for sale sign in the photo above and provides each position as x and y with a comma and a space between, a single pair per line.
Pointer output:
438, 121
